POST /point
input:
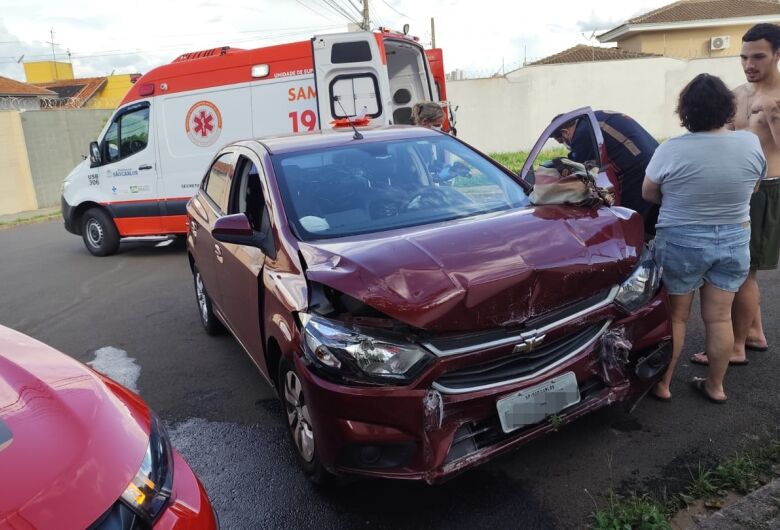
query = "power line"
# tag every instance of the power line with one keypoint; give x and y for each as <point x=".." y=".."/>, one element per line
<point x="339" y="10"/>
<point x="314" y="11"/>
<point x="394" y="9"/>
<point x="189" y="46"/>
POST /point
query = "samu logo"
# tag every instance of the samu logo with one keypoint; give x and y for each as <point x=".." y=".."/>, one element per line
<point x="203" y="123"/>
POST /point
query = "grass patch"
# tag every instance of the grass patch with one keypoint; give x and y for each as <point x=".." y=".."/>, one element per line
<point x="515" y="161"/>
<point x="34" y="219"/>
<point x="743" y="472"/>
<point x="636" y="512"/>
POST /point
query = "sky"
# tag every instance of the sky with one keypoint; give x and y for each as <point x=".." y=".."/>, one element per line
<point x="480" y="37"/>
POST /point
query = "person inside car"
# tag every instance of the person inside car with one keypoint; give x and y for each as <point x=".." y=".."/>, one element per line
<point x="629" y="148"/>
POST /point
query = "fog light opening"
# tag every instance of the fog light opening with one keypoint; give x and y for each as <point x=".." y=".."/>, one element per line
<point x="370" y="455"/>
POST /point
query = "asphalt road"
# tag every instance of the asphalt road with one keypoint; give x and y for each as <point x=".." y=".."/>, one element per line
<point x="228" y="425"/>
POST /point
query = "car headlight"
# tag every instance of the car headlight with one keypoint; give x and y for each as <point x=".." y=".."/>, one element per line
<point x="642" y="285"/>
<point x="354" y="356"/>
<point x="150" y="489"/>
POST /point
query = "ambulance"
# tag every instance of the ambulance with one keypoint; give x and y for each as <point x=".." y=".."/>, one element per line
<point x="151" y="155"/>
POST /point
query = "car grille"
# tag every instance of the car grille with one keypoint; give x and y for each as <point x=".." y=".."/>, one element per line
<point x="518" y="366"/>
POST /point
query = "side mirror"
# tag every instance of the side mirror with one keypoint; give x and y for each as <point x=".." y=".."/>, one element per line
<point x="236" y="229"/>
<point x="94" y="155"/>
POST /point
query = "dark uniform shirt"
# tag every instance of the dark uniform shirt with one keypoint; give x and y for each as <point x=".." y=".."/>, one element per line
<point x="630" y="148"/>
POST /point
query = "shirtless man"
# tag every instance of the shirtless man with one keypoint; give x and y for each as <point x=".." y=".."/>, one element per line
<point x="758" y="110"/>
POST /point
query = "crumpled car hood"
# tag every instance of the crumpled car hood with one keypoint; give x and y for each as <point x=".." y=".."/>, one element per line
<point x="482" y="273"/>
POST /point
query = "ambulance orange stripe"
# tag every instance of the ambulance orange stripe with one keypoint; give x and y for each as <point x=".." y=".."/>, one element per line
<point x="151" y="226"/>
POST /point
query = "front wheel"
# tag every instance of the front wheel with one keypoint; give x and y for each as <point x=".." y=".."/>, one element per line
<point x="299" y="424"/>
<point x="99" y="232"/>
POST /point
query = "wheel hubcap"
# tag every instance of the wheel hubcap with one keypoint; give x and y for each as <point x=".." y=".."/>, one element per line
<point x="94" y="233"/>
<point x="201" y="294"/>
<point x="298" y="416"/>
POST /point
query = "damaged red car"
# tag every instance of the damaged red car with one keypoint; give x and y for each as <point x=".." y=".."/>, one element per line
<point x="416" y="314"/>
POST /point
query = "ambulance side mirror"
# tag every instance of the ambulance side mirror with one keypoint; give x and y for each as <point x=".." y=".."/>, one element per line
<point x="94" y="155"/>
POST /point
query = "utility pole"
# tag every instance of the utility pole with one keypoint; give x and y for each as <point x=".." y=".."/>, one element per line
<point x="433" y="34"/>
<point x="53" y="57"/>
<point x="366" y="20"/>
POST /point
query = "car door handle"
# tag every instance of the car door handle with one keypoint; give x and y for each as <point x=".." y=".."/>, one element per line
<point x="145" y="166"/>
<point x="218" y="252"/>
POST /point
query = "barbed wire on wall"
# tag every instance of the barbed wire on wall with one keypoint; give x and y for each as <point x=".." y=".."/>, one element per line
<point x="34" y="103"/>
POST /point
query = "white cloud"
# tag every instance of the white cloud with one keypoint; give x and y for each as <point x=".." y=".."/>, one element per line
<point x="476" y="36"/>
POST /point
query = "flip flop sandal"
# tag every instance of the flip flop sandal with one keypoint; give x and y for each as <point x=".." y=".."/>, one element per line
<point x="696" y="359"/>
<point x="753" y="347"/>
<point x="698" y="384"/>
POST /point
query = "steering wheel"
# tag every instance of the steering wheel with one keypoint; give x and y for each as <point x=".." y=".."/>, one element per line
<point x="427" y="198"/>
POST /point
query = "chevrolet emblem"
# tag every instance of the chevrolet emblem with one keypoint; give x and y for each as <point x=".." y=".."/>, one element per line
<point x="528" y="344"/>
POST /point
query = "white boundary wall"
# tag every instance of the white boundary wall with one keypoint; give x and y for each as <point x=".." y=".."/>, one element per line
<point x="509" y="113"/>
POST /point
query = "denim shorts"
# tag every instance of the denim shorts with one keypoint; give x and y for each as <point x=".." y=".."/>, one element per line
<point x="694" y="254"/>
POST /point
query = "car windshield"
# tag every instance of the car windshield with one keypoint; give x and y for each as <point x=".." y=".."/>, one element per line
<point x="375" y="186"/>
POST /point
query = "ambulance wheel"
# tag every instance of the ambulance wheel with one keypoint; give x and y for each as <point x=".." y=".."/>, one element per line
<point x="99" y="232"/>
<point x="207" y="317"/>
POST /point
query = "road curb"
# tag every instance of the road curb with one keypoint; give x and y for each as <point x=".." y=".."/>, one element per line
<point x="30" y="216"/>
<point x="760" y="509"/>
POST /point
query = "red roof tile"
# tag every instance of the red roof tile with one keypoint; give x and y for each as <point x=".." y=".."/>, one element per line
<point x="10" y="87"/>
<point x="75" y="92"/>
<point x="584" y="54"/>
<point x="689" y="10"/>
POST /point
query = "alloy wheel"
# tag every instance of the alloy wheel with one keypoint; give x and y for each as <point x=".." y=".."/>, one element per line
<point x="201" y="294"/>
<point x="298" y="416"/>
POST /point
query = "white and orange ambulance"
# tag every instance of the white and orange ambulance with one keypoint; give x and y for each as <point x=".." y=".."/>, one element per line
<point x="150" y="157"/>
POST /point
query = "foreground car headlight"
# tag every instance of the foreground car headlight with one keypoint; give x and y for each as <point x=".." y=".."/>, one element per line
<point x="150" y="489"/>
<point x="642" y="285"/>
<point x="356" y="356"/>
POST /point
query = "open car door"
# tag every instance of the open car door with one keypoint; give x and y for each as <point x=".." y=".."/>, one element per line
<point x="606" y="177"/>
<point x="351" y="76"/>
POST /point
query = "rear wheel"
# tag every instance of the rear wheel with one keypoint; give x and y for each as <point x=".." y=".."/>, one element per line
<point x="99" y="232"/>
<point x="299" y="424"/>
<point x="211" y="324"/>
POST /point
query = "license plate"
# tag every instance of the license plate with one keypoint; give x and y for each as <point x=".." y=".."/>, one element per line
<point x="532" y="405"/>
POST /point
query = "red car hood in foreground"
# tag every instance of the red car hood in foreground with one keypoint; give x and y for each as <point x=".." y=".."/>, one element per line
<point x="482" y="273"/>
<point x="68" y="446"/>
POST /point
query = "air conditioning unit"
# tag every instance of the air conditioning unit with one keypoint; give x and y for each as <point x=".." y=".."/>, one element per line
<point x="720" y="43"/>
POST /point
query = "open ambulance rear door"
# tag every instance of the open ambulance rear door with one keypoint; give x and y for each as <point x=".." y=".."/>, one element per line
<point x="435" y="58"/>
<point x="351" y="76"/>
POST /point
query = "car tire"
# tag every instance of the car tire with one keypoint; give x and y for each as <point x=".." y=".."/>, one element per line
<point x="299" y="427"/>
<point x="99" y="232"/>
<point x="210" y="322"/>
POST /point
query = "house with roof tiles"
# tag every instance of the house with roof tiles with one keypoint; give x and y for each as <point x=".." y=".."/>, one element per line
<point x="15" y="95"/>
<point x="74" y="92"/>
<point x="688" y="29"/>
<point x="693" y="29"/>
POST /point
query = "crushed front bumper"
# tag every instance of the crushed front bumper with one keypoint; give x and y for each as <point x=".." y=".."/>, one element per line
<point x="443" y="425"/>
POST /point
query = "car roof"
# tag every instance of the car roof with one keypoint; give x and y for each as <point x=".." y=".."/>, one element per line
<point x="339" y="137"/>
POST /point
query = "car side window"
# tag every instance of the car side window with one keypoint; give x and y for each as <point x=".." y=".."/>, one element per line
<point x="247" y="196"/>
<point x="217" y="180"/>
<point x="127" y="135"/>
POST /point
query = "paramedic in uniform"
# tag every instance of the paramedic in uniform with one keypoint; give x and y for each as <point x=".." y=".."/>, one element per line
<point x="629" y="148"/>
